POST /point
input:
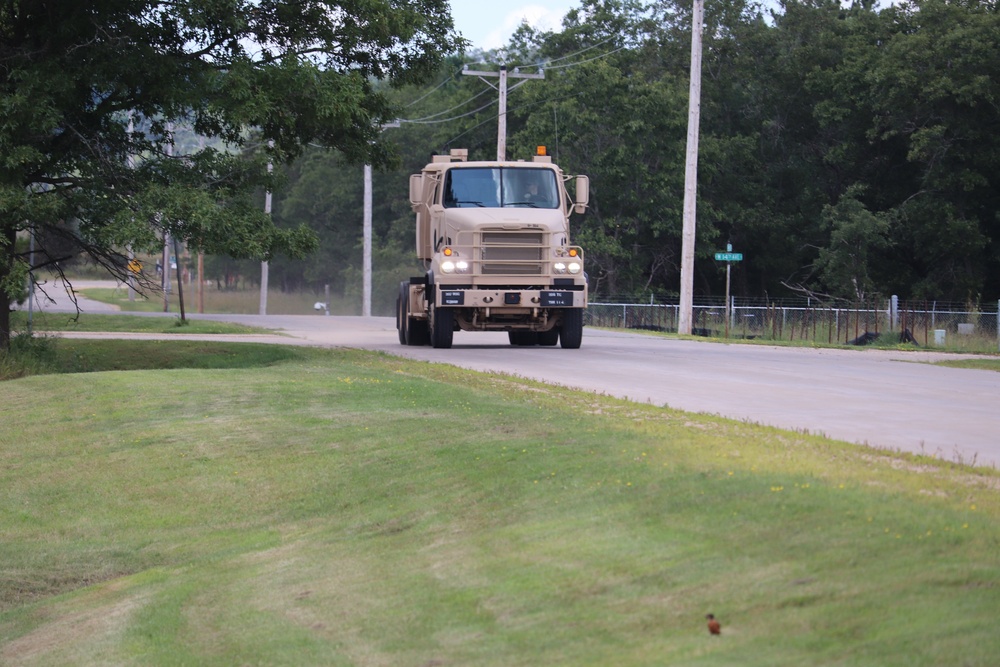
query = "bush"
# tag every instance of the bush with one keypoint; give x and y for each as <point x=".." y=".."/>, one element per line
<point x="27" y="355"/>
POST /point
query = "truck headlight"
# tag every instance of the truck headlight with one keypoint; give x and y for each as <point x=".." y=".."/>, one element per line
<point x="559" y="267"/>
<point x="574" y="267"/>
<point x="462" y="266"/>
<point x="448" y="267"/>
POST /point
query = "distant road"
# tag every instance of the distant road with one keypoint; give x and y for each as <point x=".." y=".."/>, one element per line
<point x="864" y="396"/>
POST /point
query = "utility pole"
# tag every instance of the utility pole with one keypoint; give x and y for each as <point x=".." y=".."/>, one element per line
<point x="502" y="88"/>
<point x="165" y="275"/>
<point x="131" y="254"/>
<point x="31" y="278"/>
<point x="201" y="256"/>
<point x="263" y="265"/>
<point x="165" y="284"/>
<point x="691" y="175"/>
<point x="366" y="280"/>
<point x="201" y="281"/>
<point x="366" y="288"/>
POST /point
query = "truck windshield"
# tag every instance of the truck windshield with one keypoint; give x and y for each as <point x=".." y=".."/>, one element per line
<point x="500" y="187"/>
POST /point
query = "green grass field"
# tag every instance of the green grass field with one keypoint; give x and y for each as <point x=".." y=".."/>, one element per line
<point x="125" y="323"/>
<point x="246" y="301"/>
<point x="35" y="355"/>
<point x="295" y="506"/>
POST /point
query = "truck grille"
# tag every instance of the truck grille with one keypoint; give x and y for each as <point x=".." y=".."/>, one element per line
<point x="512" y="253"/>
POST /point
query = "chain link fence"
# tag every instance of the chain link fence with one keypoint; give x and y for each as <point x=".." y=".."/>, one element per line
<point x="923" y="323"/>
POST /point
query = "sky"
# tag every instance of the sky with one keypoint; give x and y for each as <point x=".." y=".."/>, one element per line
<point x="488" y="25"/>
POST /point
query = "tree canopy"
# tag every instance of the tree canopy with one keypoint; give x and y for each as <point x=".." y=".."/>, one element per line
<point x="259" y="80"/>
<point x="847" y="151"/>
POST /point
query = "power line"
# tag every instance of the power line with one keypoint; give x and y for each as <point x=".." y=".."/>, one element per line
<point x="573" y="55"/>
<point x="517" y="108"/>
<point x="426" y="120"/>
<point x="420" y="121"/>
<point x="459" y="105"/>
<point x="588" y="60"/>
<point x="546" y="66"/>
<point x="433" y="119"/>
<point x="433" y="90"/>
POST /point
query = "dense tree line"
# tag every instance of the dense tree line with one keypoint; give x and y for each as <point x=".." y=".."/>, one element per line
<point x="846" y="151"/>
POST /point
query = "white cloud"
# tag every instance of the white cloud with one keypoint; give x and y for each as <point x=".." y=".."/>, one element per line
<point x="537" y="16"/>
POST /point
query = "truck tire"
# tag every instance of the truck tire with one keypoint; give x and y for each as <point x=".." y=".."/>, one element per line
<point x="443" y="327"/>
<point x="411" y="332"/>
<point x="548" y="338"/>
<point x="571" y="334"/>
<point x="403" y="311"/>
<point x="522" y="338"/>
<point x="417" y="333"/>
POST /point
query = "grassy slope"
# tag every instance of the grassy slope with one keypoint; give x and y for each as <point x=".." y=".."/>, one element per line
<point x="344" y="508"/>
<point x="125" y="323"/>
<point x="215" y="301"/>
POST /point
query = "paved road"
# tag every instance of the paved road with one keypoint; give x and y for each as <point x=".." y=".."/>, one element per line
<point x="54" y="296"/>
<point x="876" y="397"/>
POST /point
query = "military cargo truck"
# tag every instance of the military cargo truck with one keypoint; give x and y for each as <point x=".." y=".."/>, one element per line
<point x="494" y="241"/>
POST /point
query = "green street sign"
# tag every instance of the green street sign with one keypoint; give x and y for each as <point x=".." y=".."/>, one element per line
<point x="728" y="257"/>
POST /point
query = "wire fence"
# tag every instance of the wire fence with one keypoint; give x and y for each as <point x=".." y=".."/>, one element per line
<point x="922" y="323"/>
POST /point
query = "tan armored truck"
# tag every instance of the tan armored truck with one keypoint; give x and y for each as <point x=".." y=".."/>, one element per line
<point x="494" y="241"/>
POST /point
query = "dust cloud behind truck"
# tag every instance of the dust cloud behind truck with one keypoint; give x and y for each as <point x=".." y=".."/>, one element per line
<point x="494" y="241"/>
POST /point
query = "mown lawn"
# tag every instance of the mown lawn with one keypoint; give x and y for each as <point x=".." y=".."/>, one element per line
<point x="347" y="508"/>
<point x="46" y="322"/>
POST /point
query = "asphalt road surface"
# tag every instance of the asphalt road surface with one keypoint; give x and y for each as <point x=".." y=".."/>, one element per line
<point x="882" y="398"/>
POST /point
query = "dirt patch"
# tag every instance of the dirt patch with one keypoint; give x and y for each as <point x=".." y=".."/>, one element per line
<point x="72" y="630"/>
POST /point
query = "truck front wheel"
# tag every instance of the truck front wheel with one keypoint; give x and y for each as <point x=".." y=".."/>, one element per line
<point x="571" y="334"/>
<point x="443" y="327"/>
<point x="411" y="331"/>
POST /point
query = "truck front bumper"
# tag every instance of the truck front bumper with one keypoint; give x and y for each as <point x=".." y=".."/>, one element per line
<point x="509" y="299"/>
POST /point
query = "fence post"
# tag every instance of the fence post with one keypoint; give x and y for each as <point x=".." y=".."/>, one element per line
<point x="893" y="312"/>
<point x="927" y="329"/>
<point x="998" y="325"/>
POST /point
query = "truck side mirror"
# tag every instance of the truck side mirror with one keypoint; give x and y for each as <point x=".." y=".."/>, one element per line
<point x="416" y="190"/>
<point x="582" y="194"/>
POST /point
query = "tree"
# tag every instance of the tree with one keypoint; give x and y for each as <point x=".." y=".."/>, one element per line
<point x="261" y="79"/>
<point x="935" y="94"/>
<point x="855" y="234"/>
